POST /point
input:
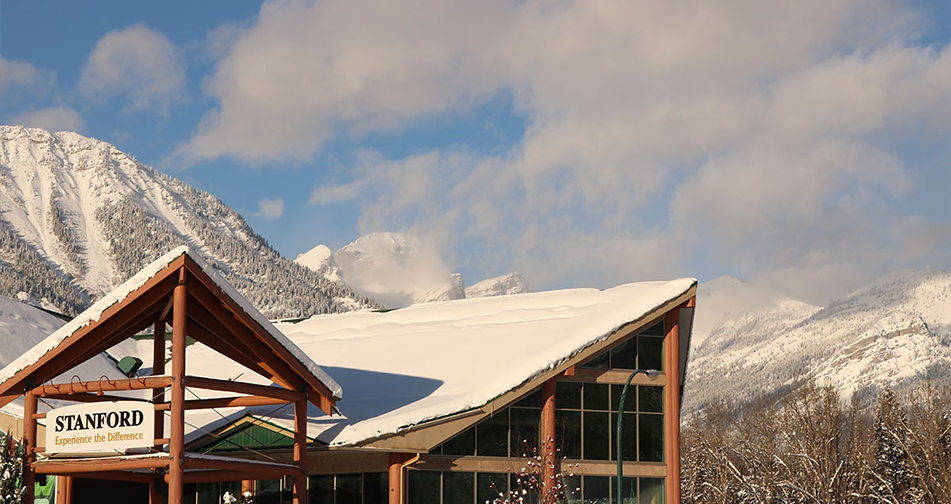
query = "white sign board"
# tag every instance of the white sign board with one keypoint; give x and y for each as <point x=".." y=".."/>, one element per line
<point x="103" y="428"/>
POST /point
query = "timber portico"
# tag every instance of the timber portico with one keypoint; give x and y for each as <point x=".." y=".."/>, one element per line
<point x="443" y="401"/>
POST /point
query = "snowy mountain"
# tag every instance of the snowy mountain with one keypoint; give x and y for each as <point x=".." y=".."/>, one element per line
<point x="749" y="341"/>
<point x="513" y="283"/>
<point x="397" y="270"/>
<point x="79" y="216"/>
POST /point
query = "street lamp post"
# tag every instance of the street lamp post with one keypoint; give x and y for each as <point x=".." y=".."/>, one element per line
<point x="652" y="373"/>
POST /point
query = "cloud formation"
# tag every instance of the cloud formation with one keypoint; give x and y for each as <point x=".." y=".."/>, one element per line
<point x="271" y="208"/>
<point x="138" y="63"/>
<point x="62" y="118"/>
<point x="765" y="135"/>
<point x="23" y="74"/>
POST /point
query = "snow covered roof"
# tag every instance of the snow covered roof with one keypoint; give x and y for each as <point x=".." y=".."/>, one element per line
<point x="25" y="365"/>
<point x="424" y="362"/>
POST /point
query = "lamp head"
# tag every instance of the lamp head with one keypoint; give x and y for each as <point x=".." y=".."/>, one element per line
<point x="653" y="373"/>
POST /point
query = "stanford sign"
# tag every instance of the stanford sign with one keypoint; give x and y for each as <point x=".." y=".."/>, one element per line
<point x="106" y="428"/>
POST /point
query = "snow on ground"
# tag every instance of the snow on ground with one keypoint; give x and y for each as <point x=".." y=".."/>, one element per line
<point x="426" y="361"/>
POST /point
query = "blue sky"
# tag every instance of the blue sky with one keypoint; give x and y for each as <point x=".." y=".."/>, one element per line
<point x="802" y="145"/>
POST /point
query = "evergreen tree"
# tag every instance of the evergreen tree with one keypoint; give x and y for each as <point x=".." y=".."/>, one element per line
<point x="11" y="470"/>
<point x="891" y="434"/>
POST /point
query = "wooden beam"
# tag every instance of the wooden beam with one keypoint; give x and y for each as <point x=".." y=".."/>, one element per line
<point x="550" y="459"/>
<point x="300" y="450"/>
<point x="231" y="464"/>
<point x="672" y="404"/>
<point x="242" y="388"/>
<point x="176" y="445"/>
<point x="73" y="466"/>
<point x="96" y="386"/>
<point x="88" y="397"/>
<point x="158" y="368"/>
<point x="301" y="371"/>
<point x="225" y="402"/>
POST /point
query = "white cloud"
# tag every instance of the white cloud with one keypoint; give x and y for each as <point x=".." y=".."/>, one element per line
<point x="271" y="208"/>
<point x="763" y="134"/>
<point x="23" y="74"/>
<point x="60" y="118"/>
<point x="138" y="63"/>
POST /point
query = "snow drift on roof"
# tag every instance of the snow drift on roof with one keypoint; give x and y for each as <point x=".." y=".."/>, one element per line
<point x="427" y="361"/>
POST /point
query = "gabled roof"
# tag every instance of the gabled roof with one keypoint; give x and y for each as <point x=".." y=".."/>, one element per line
<point x="407" y="367"/>
<point x="218" y="316"/>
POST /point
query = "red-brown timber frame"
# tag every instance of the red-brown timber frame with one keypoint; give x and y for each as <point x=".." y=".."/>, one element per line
<point x="672" y="395"/>
<point x="183" y="294"/>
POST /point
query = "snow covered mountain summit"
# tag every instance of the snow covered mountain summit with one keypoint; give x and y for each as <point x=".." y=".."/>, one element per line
<point x="752" y="342"/>
<point x="78" y="217"/>
<point x="397" y="270"/>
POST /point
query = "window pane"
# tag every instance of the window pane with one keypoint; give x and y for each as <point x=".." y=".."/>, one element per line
<point x="267" y="492"/>
<point x="597" y="436"/>
<point x="349" y="487"/>
<point x="628" y="489"/>
<point x="458" y="487"/>
<point x="320" y="489"/>
<point x="651" y="351"/>
<point x="208" y="493"/>
<point x="597" y="490"/>
<point x="652" y="491"/>
<point x="568" y="395"/>
<point x="625" y="355"/>
<point x="493" y="434"/>
<point x="572" y="489"/>
<point x="630" y="402"/>
<point x="595" y="396"/>
<point x="628" y="436"/>
<point x="490" y="485"/>
<point x="463" y="444"/>
<point x="601" y="361"/>
<point x="568" y="433"/>
<point x="533" y="400"/>
<point x="423" y="487"/>
<point x="651" y="399"/>
<point x="651" y="438"/>
<point x="525" y="422"/>
<point x="376" y="487"/>
<point x="655" y="330"/>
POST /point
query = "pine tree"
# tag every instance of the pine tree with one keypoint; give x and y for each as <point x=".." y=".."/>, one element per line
<point x="891" y="429"/>
<point x="11" y="470"/>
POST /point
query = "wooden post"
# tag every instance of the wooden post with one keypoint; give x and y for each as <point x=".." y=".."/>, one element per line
<point x="396" y="476"/>
<point x="176" y="445"/>
<point x="300" y="449"/>
<point x="158" y="368"/>
<point x="155" y="486"/>
<point x="672" y="404"/>
<point x="549" y="459"/>
<point x="247" y="486"/>
<point x="29" y="434"/>
<point x="64" y="490"/>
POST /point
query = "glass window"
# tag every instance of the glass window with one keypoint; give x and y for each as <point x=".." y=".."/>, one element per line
<point x="595" y="396"/>
<point x="490" y="486"/>
<point x="628" y="489"/>
<point x="655" y="330"/>
<point x="650" y="351"/>
<point x="320" y="489"/>
<point x="597" y="489"/>
<point x="568" y="432"/>
<point x="652" y="491"/>
<point x="423" y="487"/>
<point x="630" y="401"/>
<point x="524" y="435"/>
<point x="458" y="487"/>
<point x="600" y="361"/>
<point x="568" y="395"/>
<point x="651" y="437"/>
<point x="492" y="435"/>
<point x="463" y="444"/>
<point x="267" y="492"/>
<point x="533" y="400"/>
<point x="572" y="489"/>
<point x="376" y="487"/>
<point x="625" y="355"/>
<point x="628" y="437"/>
<point x="597" y="435"/>
<point x="349" y="487"/>
<point x="650" y="399"/>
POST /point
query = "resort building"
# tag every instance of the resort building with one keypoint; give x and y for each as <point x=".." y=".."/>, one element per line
<point x="462" y="401"/>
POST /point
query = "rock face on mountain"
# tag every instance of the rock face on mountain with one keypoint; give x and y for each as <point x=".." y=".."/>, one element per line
<point x="79" y="216"/>
<point x="894" y="332"/>
<point x="513" y="283"/>
<point x="397" y="270"/>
